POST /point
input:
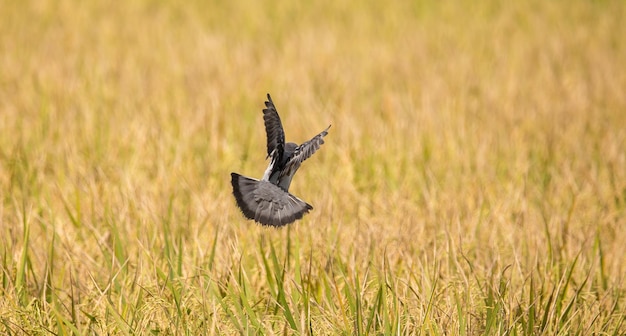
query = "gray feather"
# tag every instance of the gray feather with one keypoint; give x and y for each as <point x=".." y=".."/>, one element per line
<point x="266" y="203"/>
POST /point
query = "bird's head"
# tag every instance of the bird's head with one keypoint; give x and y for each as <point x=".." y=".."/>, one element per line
<point x="290" y="147"/>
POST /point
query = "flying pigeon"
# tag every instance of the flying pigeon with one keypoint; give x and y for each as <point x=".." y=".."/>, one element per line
<point x="268" y="201"/>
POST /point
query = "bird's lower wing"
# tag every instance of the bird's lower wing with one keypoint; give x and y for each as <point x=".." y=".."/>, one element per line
<point x="303" y="152"/>
<point x="267" y="203"/>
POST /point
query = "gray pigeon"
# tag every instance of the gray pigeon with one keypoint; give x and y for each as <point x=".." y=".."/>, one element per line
<point x="268" y="201"/>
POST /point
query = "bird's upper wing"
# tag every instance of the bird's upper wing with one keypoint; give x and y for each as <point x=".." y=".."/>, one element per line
<point x="274" y="130"/>
<point x="304" y="151"/>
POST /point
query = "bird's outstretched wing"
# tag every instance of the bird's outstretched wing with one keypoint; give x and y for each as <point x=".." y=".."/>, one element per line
<point x="304" y="151"/>
<point x="274" y="130"/>
<point x="266" y="203"/>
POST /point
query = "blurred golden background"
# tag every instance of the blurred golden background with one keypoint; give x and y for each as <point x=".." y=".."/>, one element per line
<point x="473" y="182"/>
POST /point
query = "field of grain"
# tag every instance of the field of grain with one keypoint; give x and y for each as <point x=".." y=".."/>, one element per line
<point x="473" y="181"/>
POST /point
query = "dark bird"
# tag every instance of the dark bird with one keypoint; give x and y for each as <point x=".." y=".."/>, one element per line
<point x="268" y="201"/>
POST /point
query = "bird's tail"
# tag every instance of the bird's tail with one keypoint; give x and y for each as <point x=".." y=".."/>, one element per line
<point x="267" y="203"/>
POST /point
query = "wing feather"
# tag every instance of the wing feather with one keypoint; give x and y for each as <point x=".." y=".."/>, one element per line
<point x="304" y="151"/>
<point x="274" y="130"/>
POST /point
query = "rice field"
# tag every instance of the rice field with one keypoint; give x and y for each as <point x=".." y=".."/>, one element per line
<point x="473" y="181"/>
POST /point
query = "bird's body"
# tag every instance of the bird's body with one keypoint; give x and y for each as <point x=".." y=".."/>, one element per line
<point x="268" y="200"/>
<point x="275" y="171"/>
